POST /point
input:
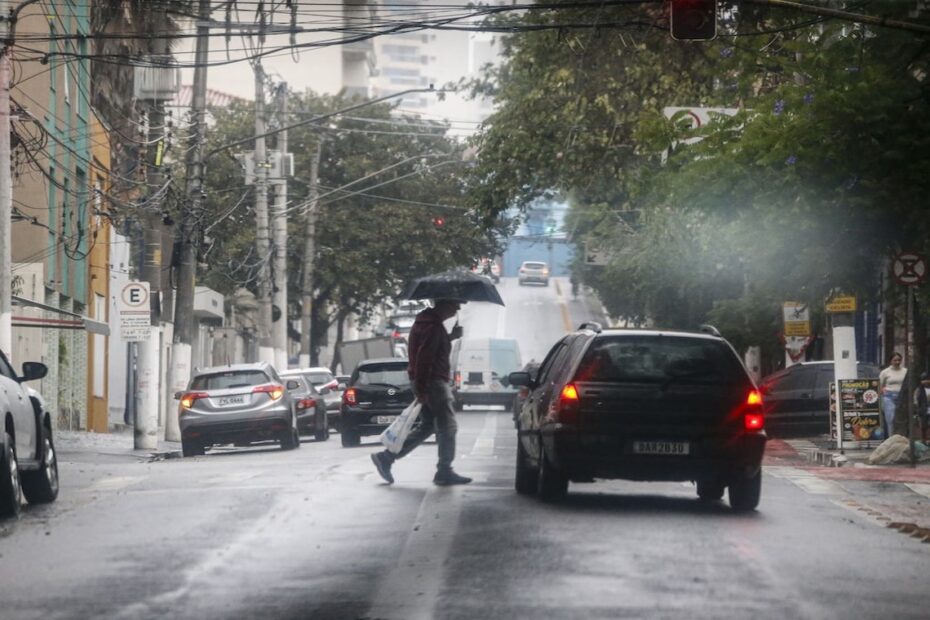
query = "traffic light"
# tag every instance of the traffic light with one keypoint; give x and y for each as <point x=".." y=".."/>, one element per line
<point x="439" y="221"/>
<point x="694" y="20"/>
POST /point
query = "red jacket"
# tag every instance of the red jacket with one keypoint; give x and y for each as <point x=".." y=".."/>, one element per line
<point x="428" y="349"/>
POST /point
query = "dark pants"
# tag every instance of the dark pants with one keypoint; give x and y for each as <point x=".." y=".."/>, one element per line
<point x="437" y="415"/>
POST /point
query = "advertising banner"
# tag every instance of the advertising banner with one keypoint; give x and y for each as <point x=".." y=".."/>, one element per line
<point x="862" y="421"/>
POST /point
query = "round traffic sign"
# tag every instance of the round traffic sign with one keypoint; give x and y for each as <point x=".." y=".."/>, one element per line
<point x="135" y="295"/>
<point x="909" y="268"/>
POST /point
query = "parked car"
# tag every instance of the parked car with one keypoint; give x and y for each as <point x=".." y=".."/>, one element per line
<point x="240" y="404"/>
<point x="480" y="368"/>
<point x="311" y="408"/>
<point x="328" y="387"/>
<point x="28" y="461"/>
<point x="533" y="271"/>
<point x="797" y="399"/>
<point x="377" y="392"/>
<point x="641" y="405"/>
<point x="399" y="326"/>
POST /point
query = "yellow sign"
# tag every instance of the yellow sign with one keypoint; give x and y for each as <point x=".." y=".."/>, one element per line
<point x="796" y="319"/>
<point x="842" y="304"/>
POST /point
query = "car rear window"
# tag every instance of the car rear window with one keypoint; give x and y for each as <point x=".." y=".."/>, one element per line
<point x="229" y="379"/>
<point x="660" y="359"/>
<point x="534" y="265"/>
<point x="318" y="378"/>
<point x="384" y="374"/>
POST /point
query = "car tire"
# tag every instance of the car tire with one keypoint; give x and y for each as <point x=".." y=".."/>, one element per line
<point x="525" y="478"/>
<point x="709" y="490"/>
<point x="350" y="438"/>
<point x="551" y="483"/>
<point x="321" y="434"/>
<point x="11" y="493"/>
<point x="745" y="494"/>
<point x="41" y="486"/>
<point x="192" y="448"/>
<point x="290" y="440"/>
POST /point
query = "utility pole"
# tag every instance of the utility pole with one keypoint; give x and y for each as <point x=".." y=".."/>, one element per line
<point x="145" y="429"/>
<point x="262" y="237"/>
<point x="6" y="185"/>
<point x="279" y="227"/>
<point x="306" y="285"/>
<point x="190" y="213"/>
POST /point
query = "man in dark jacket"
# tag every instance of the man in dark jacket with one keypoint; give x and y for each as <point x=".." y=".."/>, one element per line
<point x="428" y="349"/>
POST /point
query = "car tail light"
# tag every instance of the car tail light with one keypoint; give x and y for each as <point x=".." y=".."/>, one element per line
<point x="348" y="397"/>
<point x="753" y="418"/>
<point x="565" y="408"/>
<point x="187" y="401"/>
<point x="306" y="403"/>
<point x="458" y="379"/>
<point x="396" y="334"/>
<point x="273" y="390"/>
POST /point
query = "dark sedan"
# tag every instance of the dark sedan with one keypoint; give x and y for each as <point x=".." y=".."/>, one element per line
<point x="641" y="405"/>
<point x="378" y="391"/>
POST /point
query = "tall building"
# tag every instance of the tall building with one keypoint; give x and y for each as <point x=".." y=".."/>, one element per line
<point x="60" y="226"/>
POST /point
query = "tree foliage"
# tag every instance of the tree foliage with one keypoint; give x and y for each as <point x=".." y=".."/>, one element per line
<point x="808" y="189"/>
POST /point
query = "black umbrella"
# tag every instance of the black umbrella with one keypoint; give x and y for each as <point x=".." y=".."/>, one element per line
<point x="456" y="284"/>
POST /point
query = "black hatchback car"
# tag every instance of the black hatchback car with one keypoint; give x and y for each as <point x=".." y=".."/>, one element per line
<point x="378" y="390"/>
<point x="641" y="405"/>
<point x="797" y="398"/>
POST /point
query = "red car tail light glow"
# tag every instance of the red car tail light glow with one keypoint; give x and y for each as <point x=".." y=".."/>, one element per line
<point x="188" y="400"/>
<point x="306" y="403"/>
<point x="273" y="390"/>
<point x="348" y="397"/>
<point x="753" y="421"/>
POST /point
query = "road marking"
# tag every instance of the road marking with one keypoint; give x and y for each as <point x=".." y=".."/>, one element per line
<point x="923" y="489"/>
<point x="484" y="444"/>
<point x="410" y="591"/>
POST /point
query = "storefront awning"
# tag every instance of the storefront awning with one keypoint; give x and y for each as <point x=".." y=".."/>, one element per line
<point x="68" y="320"/>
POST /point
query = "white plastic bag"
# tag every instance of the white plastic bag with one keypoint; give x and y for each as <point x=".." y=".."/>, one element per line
<point x="396" y="434"/>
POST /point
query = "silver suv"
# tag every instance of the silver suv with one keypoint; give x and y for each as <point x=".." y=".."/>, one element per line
<point x="533" y="271"/>
<point x="239" y="404"/>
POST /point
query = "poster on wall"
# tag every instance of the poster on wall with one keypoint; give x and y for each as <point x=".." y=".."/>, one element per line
<point x="862" y="420"/>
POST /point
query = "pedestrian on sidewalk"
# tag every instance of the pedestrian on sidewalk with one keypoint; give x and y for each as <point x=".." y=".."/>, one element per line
<point x="890" y="382"/>
<point x="922" y="405"/>
<point x="429" y="346"/>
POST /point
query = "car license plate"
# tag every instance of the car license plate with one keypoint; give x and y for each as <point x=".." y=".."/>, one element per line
<point x="385" y="419"/>
<point x="229" y="401"/>
<point x="670" y="448"/>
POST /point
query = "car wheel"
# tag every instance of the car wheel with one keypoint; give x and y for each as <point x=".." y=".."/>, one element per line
<point x="350" y="438"/>
<point x="745" y="494"/>
<point x="322" y="434"/>
<point x="709" y="491"/>
<point x="41" y="486"/>
<point x="551" y="484"/>
<point x="290" y="440"/>
<point x="191" y="448"/>
<point x="11" y="493"/>
<point x="525" y="479"/>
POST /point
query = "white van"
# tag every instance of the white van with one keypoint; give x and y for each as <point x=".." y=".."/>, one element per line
<point x="480" y="367"/>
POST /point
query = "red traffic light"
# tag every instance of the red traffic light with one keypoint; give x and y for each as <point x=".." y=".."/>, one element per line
<point x="694" y="20"/>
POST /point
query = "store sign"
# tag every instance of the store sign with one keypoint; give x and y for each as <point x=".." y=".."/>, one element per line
<point x="859" y="399"/>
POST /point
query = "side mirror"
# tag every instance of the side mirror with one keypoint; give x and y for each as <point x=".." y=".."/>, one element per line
<point x="178" y="395"/>
<point x="324" y="391"/>
<point x="519" y="378"/>
<point x="33" y="371"/>
<point x="293" y="385"/>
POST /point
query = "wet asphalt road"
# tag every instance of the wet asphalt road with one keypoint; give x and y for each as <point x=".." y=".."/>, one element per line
<point x="314" y="533"/>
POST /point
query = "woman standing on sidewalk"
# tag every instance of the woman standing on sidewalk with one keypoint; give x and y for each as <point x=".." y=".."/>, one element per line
<point x="890" y="381"/>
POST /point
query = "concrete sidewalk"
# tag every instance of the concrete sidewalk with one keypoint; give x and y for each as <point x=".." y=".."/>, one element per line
<point x="82" y="445"/>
